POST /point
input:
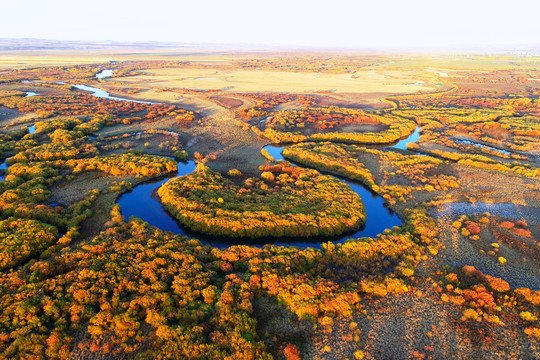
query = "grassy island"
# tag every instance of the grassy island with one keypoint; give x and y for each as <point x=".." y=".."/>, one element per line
<point x="285" y="201"/>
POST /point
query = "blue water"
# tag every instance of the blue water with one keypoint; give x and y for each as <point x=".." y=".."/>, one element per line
<point x="275" y="152"/>
<point x="104" y="94"/>
<point x="3" y="167"/>
<point x="104" y="74"/>
<point x="139" y="202"/>
<point x="414" y="137"/>
<point x="32" y="129"/>
<point x="463" y="141"/>
<point x="378" y="216"/>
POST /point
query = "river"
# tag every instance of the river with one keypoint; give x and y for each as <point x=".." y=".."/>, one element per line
<point x="104" y="74"/>
<point x="3" y="168"/>
<point x="139" y="201"/>
<point x="469" y="142"/>
<point x="104" y="94"/>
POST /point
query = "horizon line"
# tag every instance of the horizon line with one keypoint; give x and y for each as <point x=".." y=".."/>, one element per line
<point x="159" y="44"/>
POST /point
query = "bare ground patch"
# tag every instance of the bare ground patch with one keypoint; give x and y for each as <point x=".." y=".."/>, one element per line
<point x="69" y="192"/>
<point x="12" y="119"/>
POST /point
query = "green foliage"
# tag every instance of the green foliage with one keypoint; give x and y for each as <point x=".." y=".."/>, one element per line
<point x="131" y="290"/>
<point x="234" y="172"/>
<point x="181" y="155"/>
<point x="314" y="124"/>
<point x="21" y="239"/>
<point x="287" y="201"/>
<point x="125" y="164"/>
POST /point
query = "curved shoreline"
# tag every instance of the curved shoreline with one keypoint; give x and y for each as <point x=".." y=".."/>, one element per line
<point x="173" y="225"/>
<point x="378" y="216"/>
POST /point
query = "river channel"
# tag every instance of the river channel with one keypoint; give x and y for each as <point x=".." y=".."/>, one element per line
<point x="140" y="203"/>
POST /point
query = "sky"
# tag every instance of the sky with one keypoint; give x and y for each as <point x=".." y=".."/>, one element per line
<point x="360" y="24"/>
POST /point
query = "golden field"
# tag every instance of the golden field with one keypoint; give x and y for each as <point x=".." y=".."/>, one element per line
<point x="364" y="81"/>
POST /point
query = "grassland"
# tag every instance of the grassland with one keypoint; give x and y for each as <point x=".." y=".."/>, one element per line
<point x="367" y="81"/>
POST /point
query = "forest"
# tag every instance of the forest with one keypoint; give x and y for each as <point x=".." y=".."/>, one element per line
<point x="316" y="124"/>
<point x="283" y="201"/>
<point x="266" y="265"/>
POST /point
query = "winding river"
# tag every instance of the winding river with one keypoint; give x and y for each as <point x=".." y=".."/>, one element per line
<point x="104" y="94"/>
<point x="139" y="201"/>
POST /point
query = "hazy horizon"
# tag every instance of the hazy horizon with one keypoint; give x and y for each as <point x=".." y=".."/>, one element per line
<point x="34" y="44"/>
<point x="392" y="25"/>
